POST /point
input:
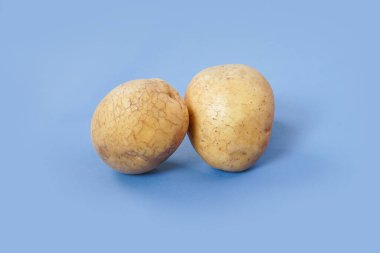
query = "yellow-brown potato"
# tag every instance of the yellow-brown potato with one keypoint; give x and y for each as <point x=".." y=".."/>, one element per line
<point x="138" y="125"/>
<point x="231" y="109"/>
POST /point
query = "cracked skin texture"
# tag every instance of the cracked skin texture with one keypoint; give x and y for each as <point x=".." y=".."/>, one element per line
<point x="231" y="110"/>
<point x="138" y="125"/>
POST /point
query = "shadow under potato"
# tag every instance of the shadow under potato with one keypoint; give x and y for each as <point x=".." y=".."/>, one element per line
<point x="165" y="166"/>
<point x="162" y="168"/>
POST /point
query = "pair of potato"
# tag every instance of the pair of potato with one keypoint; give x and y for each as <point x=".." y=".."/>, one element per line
<point x="228" y="113"/>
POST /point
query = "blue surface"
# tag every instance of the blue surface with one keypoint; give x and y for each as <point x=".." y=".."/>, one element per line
<point x="316" y="189"/>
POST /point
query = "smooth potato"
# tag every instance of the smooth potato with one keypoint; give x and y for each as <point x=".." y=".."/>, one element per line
<point x="231" y="110"/>
<point x="138" y="125"/>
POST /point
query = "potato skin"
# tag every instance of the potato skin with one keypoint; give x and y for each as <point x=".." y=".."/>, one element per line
<point x="231" y="110"/>
<point x="138" y="125"/>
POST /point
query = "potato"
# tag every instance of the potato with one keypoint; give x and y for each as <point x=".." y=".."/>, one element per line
<point x="138" y="125"/>
<point x="231" y="109"/>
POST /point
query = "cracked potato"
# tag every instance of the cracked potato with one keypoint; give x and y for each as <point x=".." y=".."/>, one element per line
<point x="138" y="125"/>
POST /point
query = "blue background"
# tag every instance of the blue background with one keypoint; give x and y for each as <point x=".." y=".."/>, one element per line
<point x="316" y="189"/>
